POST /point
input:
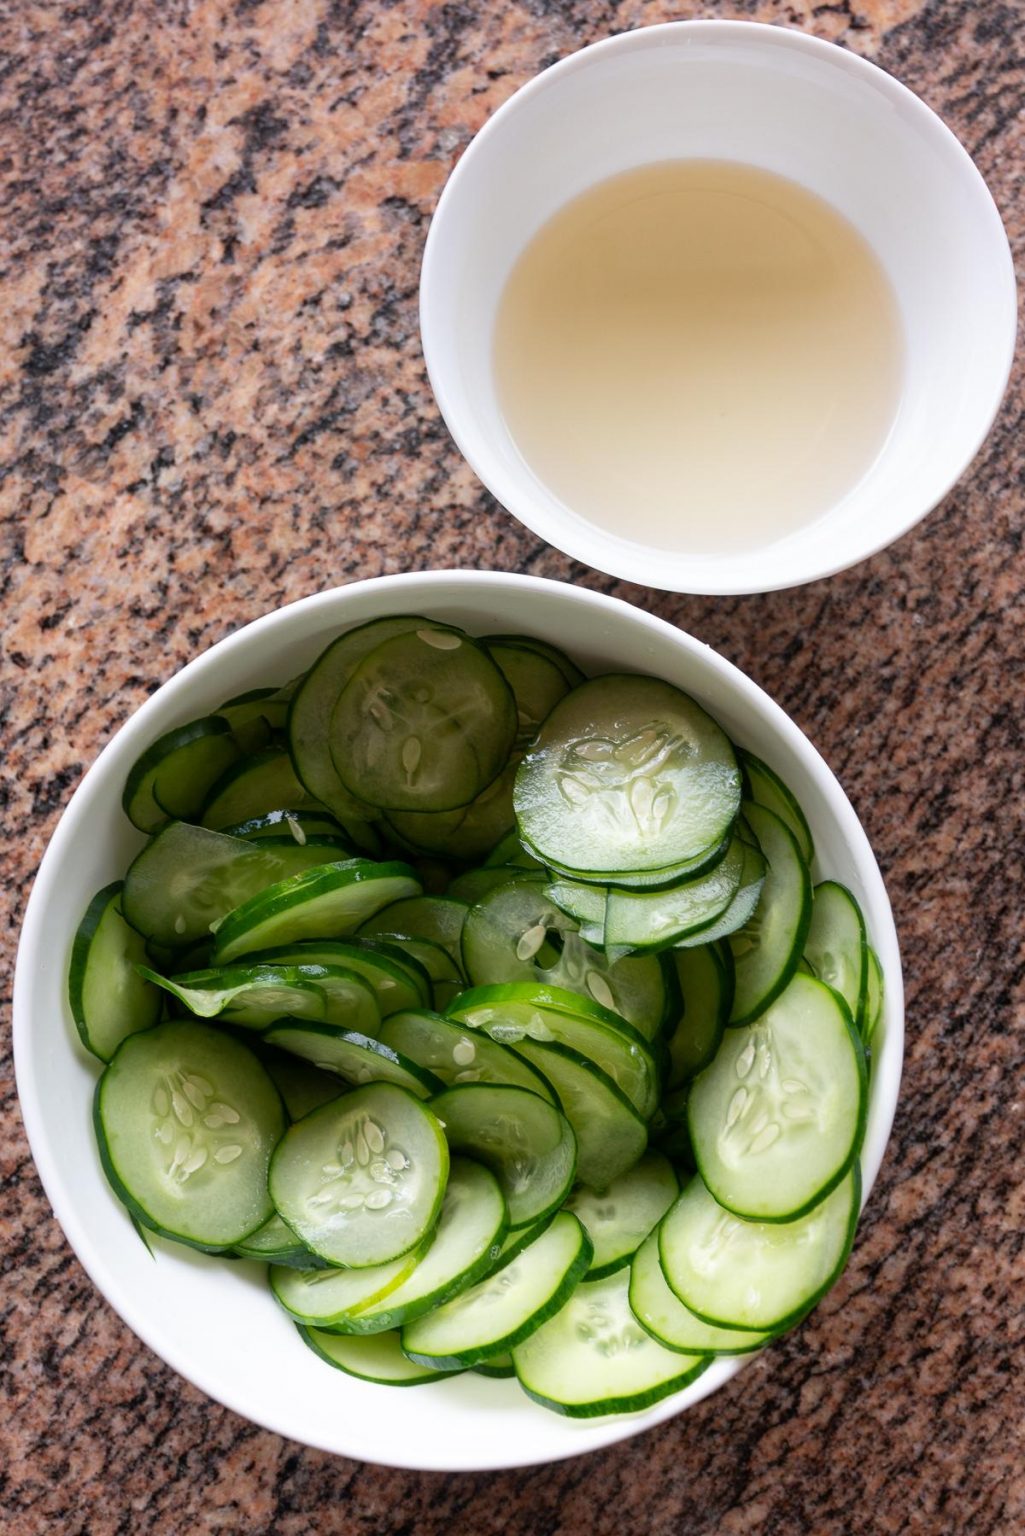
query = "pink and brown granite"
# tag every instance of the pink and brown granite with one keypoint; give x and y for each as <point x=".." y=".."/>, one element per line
<point x="212" y="401"/>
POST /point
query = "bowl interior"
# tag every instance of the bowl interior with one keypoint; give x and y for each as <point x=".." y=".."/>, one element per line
<point x="786" y="103"/>
<point x="216" y="1323"/>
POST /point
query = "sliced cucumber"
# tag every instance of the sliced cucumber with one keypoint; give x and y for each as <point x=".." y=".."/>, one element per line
<point x="777" y="1118"/>
<point x="396" y="982"/>
<point x="301" y="1085"/>
<point x="594" y="1358"/>
<point x="298" y="825"/>
<point x="254" y="786"/>
<point x="661" y="1313"/>
<point x="467" y="1241"/>
<point x="359" y="1058"/>
<point x="510" y="851"/>
<point x="109" y="997"/>
<point x="499" y="1366"/>
<point x="438" y="919"/>
<point x="522" y="1011"/>
<point x="569" y="669"/>
<point x="655" y="919"/>
<point x="373" y="1357"/>
<point x="837" y="946"/>
<point x="874" y="996"/>
<point x="657" y="879"/>
<point x="767" y="950"/>
<point x="276" y="1243"/>
<point x="467" y="832"/>
<point x="186" y="1120"/>
<point x="514" y="1243"/>
<point x="171" y="779"/>
<point x="361" y="1180"/>
<point x="502" y="1311"/>
<point x="765" y="787"/>
<point x="619" y="1217"/>
<point x="328" y="1297"/>
<point x="537" y="682"/>
<point x="333" y="900"/>
<point x="627" y="773"/>
<point x="457" y="1055"/>
<point x="610" y="1134"/>
<point x="247" y="994"/>
<point x="425" y="722"/>
<point x="754" y="1275"/>
<point x="744" y="904"/>
<point x="526" y="1142"/>
<point x="705" y="986"/>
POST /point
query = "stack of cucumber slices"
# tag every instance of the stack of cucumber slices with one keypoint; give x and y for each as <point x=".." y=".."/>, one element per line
<point x="494" y="1009"/>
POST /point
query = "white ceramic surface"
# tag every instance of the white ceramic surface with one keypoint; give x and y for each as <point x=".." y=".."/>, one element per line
<point x="787" y="103"/>
<point x="216" y="1322"/>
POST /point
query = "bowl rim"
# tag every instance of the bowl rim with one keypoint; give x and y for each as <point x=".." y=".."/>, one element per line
<point x="623" y="557"/>
<point x="34" y="953"/>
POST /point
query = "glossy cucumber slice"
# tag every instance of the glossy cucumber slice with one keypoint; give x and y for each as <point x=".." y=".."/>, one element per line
<point x="765" y="787"/>
<point x="324" y="1296"/>
<point x="837" y="946"/>
<point x="172" y="777"/>
<point x="301" y="1085"/>
<point x="755" y="1275"/>
<point x="661" y="1313"/>
<point x="745" y="902"/>
<point x="467" y="832"/>
<point x="438" y="919"/>
<point x="469" y="1235"/>
<point x="569" y="669"/>
<point x="357" y="1057"/>
<point x="510" y="851"/>
<point x="373" y="1357"/>
<point x="706" y="990"/>
<point x="627" y="773"/>
<point x="457" y="1055"/>
<point x="656" y="919"/>
<point x="777" y="1118"/>
<point x="767" y="950"/>
<point x="247" y="994"/>
<point x="396" y="982"/>
<point x="594" y="1358"/>
<point x="254" y="786"/>
<point x="522" y="1011"/>
<point x="109" y="996"/>
<point x="361" y="1180"/>
<point x="537" y="682"/>
<point x="618" y="1217"/>
<point x="499" y="1366"/>
<point x="654" y="879"/>
<point x="333" y="900"/>
<point x="186" y="1120"/>
<point x="526" y="1142"/>
<point x="276" y="1243"/>
<point x="501" y="1311"/>
<point x="610" y="1134"/>
<point x="298" y="825"/>
<point x="425" y="723"/>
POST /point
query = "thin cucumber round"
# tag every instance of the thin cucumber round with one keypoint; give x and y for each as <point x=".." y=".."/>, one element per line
<point x="837" y="946"/>
<point x="526" y="1142"/>
<point x="594" y="1358"/>
<point x="755" y="1275"/>
<point x="333" y="900"/>
<point x="186" y="1120"/>
<point x="438" y="919"/>
<point x="767" y="950"/>
<point x="656" y="919"/>
<point x="765" y="787"/>
<point x="619" y="1217"/>
<point x="457" y="1055"/>
<point x="361" y="1180"/>
<point x="661" y="1313"/>
<point x="324" y="1296"/>
<point x="654" y="879"/>
<point x="473" y="884"/>
<point x="109" y="995"/>
<point x="537" y="682"/>
<point x="253" y="995"/>
<point x="301" y="1085"/>
<point x="254" y="786"/>
<point x="171" y="779"/>
<point x="359" y="1058"/>
<point x="610" y="1134"/>
<point x="627" y="773"/>
<point x="499" y="1366"/>
<point x="503" y="1310"/>
<point x="706" y="993"/>
<point x="569" y="669"/>
<point x="276" y="1243"/>
<point x="373" y="1357"/>
<point x="468" y="832"/>
<point x="745" y="902"/>
<point x="874" y="996"/>
<point x="396" y="982"/>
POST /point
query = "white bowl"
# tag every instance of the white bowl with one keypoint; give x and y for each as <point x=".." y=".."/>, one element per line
<point x="216" y="1323"/>
<point x="786" y="103"/>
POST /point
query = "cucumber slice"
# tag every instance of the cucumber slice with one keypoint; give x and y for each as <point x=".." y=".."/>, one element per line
<point x="425" y="723"/>
<point x="457" y="1055"/>
<point x="359" y="1058"/>
<point x="254" y="786"/>
<point x="767" y="950"/>
<point x="593" y="1357"/>
<point x="837" y="946"/>
<point x="186" y="1120"/>
<point x="707" y="994"/>
<point x="654" y="879"/>
<point x="754" y="1275"/>
<point x="509" y="850"/>
<point x="333" y="900"/>
<point x="502" y="1311"/>
<point x="744" y="904"/>
<point x="669" y="1130"/>
<point x="655" y="919"/>
<point x="499" y="1366"/>
<point x="661" y="1313"/>
<point x="469" y="1235"/>
<point x="298" y="825"/>
<point x="444" y="976"/>
<point x="361" y="1180"/>
<point x="374" y="1357"/>
<point x="396" y="982"/>
<point x="301" y="1085"/>
<point x="309" y="716"/>
<point x="187" y="879"/>
<point x="778" y="1117"/>
<point x="171" y="779"/>
<point x="474" y="884"/>
<point x="109" y="997"/>
<point x="610" y="1134"/>
<point x="537" y="682"/>
<point x="569" y="669"/>
<point x="522" y="1010"/>
<point x="255" y="717"/>
<point x="619" y="1217"/>
<point x="765" y="787"/>
<point x="251" y="995"/>
<point x="583" y="903"/>
<point x="874" y="996"/>
<point x="438" y="919"/>
<point x="630" y="767"/>
<point x="514" y="1243"/>
<point x="526" y="1142"/>
<point x="276" y="1243"/>
<point x="467" y="832"/>
<point x="322" y="1296"/>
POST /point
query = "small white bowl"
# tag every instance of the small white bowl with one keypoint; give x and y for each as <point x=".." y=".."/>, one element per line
<point x="216" y="1323"/>
<point x="786" y="103"/>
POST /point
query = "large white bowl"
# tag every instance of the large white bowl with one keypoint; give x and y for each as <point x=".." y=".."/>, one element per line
<point x="216" y="1323"/>
<point x="787" y="103"/>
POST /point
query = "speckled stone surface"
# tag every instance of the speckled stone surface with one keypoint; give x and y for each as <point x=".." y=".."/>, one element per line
<point x="212" y="400"/>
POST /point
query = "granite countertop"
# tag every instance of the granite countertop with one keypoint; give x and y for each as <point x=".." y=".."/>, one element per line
<point x="212" y="401"/>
